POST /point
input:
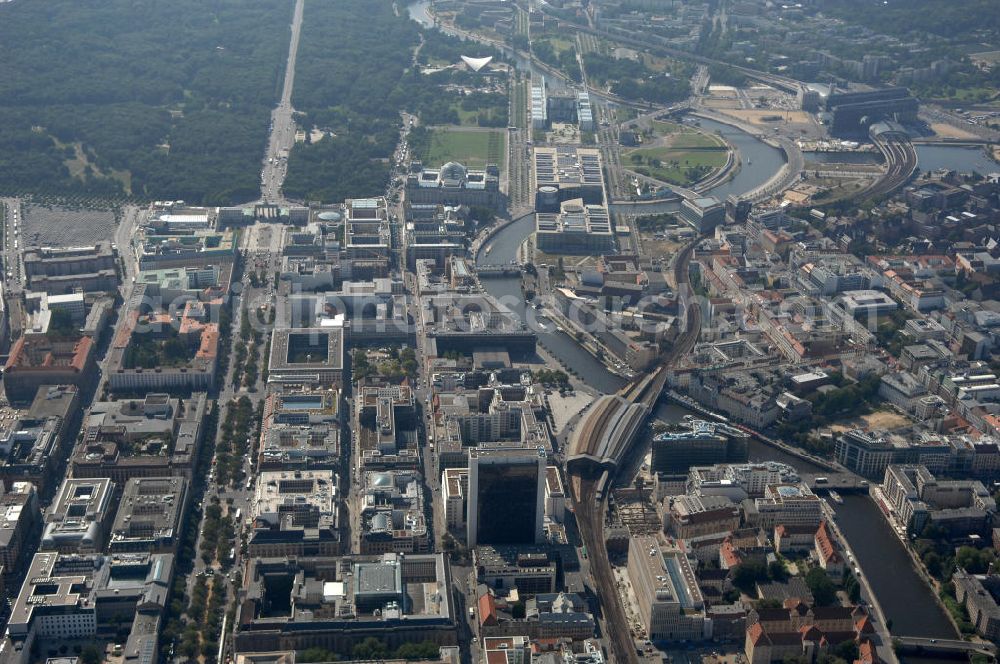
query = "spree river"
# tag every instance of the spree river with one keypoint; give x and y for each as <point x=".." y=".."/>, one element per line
<point x="901" y="592"/>
<point x="760" y="162"/>
<point x="904" y="598"/>
<point x="955" y="158"/>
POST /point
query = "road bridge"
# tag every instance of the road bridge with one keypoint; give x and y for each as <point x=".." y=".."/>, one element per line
<point x="497" y="271"/>
<point x="841" y="482"/>
<point x="915" y="644"/>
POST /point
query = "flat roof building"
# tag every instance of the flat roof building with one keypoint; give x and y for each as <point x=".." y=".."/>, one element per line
<point x="702" y="443"/>
<point x="20" y="523"/>
<point x="454" y="488"/>
<point x="532" y="570"/>
<point x="386" y="423"/>
<point x="576" y="229"/>
<point x="150" y="515"/>
<point x="366" y="228"/>
<point x="56" y="270"/>
<point x="918" y="499"/>
<point x="669" y="600"/>
<point x="296" y="513"/>
<point x="584" y="112"/>
<point x="539" y="107"/>
<point x="867" y="302"/>
<point x="392" y="513"/>
<point x="157" y="436"/>
<point x="83" y="596"/>
<point x="465" y="323"/>
<point x="695" y="516"/>
<point x="53" y="261"/>
<point x="309" y="356"/>
<point x="566" y="173"/>
<point x="301" y="429"/>
<point x="704" y="213"/>
<point x="335" y="603"/>
<point x="162" y="247"/>
<point x="739" y="480"/>
<point x="80" y="517"/>
<point x="785" y="504"/>
<point x="302" y="404"/>
<point x="30" y="450"/>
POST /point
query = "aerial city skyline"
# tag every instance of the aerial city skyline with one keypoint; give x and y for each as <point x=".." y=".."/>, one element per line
<point x="500" y="332"/>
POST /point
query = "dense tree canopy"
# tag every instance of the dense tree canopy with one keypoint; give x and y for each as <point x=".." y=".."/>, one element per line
<point x="919" y="16"/>
<point x="355" y="74"/>
<point x="169" y="99"/>
<point x="634" y="80"/>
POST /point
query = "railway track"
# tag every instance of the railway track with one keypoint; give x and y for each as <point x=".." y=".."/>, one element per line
<point x="590" y="492"/>
<point x="901" y="156"/>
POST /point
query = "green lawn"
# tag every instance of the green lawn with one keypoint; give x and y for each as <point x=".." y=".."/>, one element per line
<point x="677" y="166"/>
<point x="696" y="140"/>
<point x="663" y="128"/>
<point x="473" y="149"/>
<point x="471" y="118"/>
<point x="682" y="136"/>
<point x="559" y="44"/>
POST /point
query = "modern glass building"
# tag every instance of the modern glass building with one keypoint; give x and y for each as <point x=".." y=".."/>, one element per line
<point x="506" y="495"/>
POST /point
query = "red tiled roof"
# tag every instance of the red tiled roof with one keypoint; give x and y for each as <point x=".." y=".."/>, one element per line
<point x="487" y="610"/>
<point x="825" y="545"/>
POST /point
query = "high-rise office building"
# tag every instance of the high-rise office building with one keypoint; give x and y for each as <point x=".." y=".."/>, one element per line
<point x="506" y="495"/>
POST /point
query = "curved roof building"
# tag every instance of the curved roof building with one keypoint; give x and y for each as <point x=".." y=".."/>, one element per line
<point x="475" y="64"/>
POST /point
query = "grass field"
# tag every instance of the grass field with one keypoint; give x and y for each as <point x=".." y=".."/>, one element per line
<point x="473" y="149"/>
<point x="677" y="166"/>
<point x="519" y="103"/>
<point x="695" y="140"/>
<point x="559" y="44"/>
<point x="680" y="136"/>
<point x="471" y="118"/>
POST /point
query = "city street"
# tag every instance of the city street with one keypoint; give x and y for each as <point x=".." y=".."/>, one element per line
<point x="282" y="136"/>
